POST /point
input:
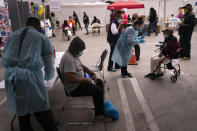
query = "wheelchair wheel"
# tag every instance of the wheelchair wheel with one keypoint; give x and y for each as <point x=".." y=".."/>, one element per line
<point x="173" y="78"/>
<point x="177" y="72"/>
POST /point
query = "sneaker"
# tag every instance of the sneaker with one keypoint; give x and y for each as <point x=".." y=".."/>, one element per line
<point x="159" y="75"/>
<point x="128" y="75"/>
<point x="156" y="34"/>
<point x="112" y="70"/>
<point x="149" y="75"/>
<point x="54" y="35"/>
<point x="102" y="118"/>
<point x="117" y="68"/>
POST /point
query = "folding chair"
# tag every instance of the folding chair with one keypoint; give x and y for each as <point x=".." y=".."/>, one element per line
<point x="68" y="99"/>
<point x="99" y="67"/>
<point x="12" y="123"/>
<point x="96" y="29"/>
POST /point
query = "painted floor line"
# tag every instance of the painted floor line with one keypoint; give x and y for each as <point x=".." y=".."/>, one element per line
<point x="149" y="117"/>
<point x="3" y="101"/>
<point x="128" y="117"/>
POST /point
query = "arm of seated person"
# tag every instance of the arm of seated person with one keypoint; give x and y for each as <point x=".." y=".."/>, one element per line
<point x="89" y="72"/>
<point x="70" y="77"/>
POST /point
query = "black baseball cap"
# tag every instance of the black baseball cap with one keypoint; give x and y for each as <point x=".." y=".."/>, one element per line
<point x="188" y="5"/>
<point x="168" y="29"/>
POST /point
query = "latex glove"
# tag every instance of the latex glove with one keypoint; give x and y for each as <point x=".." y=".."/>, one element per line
<point x="143" y="36"/>
<point x="142" y="41"/>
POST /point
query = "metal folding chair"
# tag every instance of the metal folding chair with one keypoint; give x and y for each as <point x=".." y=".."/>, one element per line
<point x="68" y="99"/>
<point x="99" y="67"/>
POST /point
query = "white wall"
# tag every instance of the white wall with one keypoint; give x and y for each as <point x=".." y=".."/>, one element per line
<point x="98" y="11"/>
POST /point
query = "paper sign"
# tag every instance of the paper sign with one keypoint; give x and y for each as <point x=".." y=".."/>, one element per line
<point x="2" y="3"/>
<point x="55" y="7"/>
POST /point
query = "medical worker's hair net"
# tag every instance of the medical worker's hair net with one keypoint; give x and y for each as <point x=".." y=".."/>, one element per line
<point x="139" y="21"/>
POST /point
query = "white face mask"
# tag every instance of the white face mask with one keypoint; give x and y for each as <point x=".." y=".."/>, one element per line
<point x="119" y="21"/>
<point x="165" y="36"/>
<point x="79" y="54"/>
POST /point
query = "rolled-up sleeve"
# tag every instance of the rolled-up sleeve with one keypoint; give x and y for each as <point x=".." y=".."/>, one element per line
<point x="48" y="59"/>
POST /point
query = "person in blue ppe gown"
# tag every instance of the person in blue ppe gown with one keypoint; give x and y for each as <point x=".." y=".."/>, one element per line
<point x="123" y="50"/>
<point x="28" y="60"/>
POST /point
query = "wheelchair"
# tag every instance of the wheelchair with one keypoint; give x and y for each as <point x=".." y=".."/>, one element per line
<point x="168" y="64"/>
<point x="66" y="33"/>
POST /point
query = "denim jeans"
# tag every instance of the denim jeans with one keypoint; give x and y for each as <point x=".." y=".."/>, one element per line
<point x="152" y="25"/>
<point x="86" y="26"/>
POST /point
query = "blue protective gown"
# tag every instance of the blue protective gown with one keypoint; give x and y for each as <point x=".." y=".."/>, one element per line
<point x="24" y="77"/>
<point x="123" y="50"/>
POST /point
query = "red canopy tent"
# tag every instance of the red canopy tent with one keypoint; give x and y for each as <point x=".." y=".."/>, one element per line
<point x="125" y="4"/>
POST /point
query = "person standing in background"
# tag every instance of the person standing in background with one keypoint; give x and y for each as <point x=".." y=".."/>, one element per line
<point x="129" y="19"/>
<point x="124" y="20"/>
<point x="72" y="24"/>
<point x="76" y="18"/>
<point x="112" y="38"/>
<point x="180" y="15"/>
<point x="52" y="20"/>
<point x="153" y="19"/>
<point x="186" y="28"/>
<point x="112" y="15"/>
<point x="86" y="22"/>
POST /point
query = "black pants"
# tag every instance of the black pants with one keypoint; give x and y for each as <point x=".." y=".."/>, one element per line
<point x="137" y="51"/>
<point x="124" y="70"/>
<point x="45" y="119"/>
<point x="185" y="40"/>
<point x="152" y="25"/>
<point x="110" y="62"/>
<point x="97" y="93"/>
<point x="73" y="30"/>
<point x="77" y="22"/>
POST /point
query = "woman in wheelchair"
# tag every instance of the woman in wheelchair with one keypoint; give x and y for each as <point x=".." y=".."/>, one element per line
<point x="169" y="50"/>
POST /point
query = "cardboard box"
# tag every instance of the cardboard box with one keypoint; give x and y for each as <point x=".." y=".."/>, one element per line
<point x="107" y="27"/>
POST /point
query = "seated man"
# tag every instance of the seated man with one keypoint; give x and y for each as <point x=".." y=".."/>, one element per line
<point x="96" y="23"/>
<point x="169" y="51"/>
<point x="73" y="74"/>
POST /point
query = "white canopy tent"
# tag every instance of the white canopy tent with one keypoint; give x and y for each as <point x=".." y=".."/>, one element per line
<point x="97" y="9"/>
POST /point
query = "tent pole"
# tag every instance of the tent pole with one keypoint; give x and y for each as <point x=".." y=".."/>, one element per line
<point x="18" y="13"/>
<point x="44" y="13"/>
<point x="164" y="12"/>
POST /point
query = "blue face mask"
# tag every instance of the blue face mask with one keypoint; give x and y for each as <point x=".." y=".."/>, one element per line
<point x="165" y="36"/>
<point x="140" y="29"/>
<point x="79" y="54"/>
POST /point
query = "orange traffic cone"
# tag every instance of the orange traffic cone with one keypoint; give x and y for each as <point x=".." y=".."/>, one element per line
<point x="132" y="60"/>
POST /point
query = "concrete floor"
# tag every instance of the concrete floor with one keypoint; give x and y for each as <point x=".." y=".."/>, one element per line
<point x="145" y="105"/>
